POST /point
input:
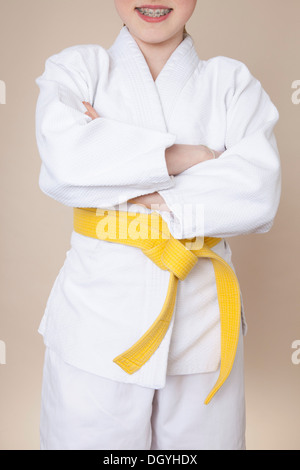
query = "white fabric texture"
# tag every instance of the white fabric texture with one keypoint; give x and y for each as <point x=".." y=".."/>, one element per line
<point x="83" y="411"/>
<point x="106" y="295"/>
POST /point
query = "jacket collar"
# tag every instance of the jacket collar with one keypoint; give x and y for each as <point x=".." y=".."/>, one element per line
<point x="155" y="100"/>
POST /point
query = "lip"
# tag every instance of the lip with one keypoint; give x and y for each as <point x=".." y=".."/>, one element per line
<point x="154" y="7"/>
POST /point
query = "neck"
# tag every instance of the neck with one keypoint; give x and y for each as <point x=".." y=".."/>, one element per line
<point x="157" y="54"/>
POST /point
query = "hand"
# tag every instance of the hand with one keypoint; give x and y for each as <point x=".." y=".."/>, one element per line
<point x="149" y="200"/>
<point x="91" y="112"/>
<point x="180" y="157"/>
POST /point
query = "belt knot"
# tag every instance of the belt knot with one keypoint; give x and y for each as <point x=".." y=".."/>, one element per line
<point x="172" y="255"/>
<point x="178" y="259"/>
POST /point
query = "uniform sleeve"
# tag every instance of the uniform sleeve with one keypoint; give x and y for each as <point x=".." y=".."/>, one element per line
<point x="85" y="162"/>
<point x="238" y="193"/>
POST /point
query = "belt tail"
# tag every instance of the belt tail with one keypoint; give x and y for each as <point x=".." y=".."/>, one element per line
<point x="137" y="355"/>
<point x="230" y="318"/>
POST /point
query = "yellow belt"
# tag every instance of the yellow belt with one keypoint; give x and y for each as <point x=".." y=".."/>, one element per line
<point x="150" y="233"/>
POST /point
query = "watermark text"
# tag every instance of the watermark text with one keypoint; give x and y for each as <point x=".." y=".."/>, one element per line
<point x="296" y="353"/>
<point x="127" y="224"/>
<point x="2" y="352"/>
<point x="2" y="92"/>
<point x="296" y="94"/>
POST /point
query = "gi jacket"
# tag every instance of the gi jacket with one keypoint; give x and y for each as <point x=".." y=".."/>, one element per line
<point x="107" y="295"/>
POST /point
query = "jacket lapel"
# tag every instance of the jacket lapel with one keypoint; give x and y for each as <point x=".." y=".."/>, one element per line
<point x="176" y="74"/>
<point x="152" y="101"/>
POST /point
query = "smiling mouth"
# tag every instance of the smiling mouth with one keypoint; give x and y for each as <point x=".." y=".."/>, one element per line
<point x="154" y="12"/>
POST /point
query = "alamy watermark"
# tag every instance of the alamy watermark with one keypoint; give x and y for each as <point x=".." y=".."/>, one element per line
<point x="2" y="352"/>
<point x="296" y="353"/>
<point x="296" y="94"/>
<point x="2" y="92"/>
<point x="125" y="223"/>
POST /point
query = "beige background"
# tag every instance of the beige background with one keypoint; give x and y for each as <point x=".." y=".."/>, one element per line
<point x="35" y="229"/>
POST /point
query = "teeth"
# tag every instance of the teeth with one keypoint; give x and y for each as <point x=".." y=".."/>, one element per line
<point x="154" y="13"/>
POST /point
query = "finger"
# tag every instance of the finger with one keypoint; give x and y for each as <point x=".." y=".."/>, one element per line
<point x="88" y="107"/>
<point x="91" y="110"/>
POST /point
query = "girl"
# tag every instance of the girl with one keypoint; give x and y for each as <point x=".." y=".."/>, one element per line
<point x="147" y="126"/>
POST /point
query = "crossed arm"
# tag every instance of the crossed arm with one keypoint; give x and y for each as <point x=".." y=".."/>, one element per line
<point x="179" y="157"/>
<point x="238" y="195"/>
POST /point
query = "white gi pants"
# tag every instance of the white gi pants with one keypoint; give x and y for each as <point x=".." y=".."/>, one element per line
<point x="83" y="411"/>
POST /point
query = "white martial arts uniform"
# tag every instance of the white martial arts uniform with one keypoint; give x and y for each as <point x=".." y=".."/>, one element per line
<point x="106" y="295"/>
